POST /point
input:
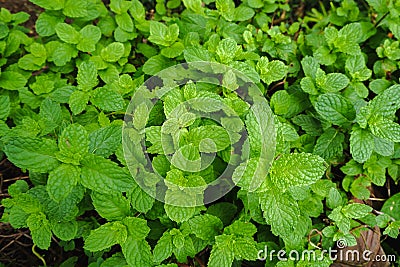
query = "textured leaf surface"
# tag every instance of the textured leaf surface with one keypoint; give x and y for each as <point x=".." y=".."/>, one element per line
<point x="335" y="108"/>
<point x="62" y="180"/>
<point x="104" y="176"/>
<point x="297" y="170"/>
<point x="32" y="153"/>
<point x="106" y="236"/>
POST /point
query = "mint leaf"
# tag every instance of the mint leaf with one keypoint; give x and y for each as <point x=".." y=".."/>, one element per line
<point x="222" y="252"/>
<point x="329" y="144"/>
<point x="163" y="35"/>
<point x="73" y="144"/>
<point x="61" y="181"/>
<point x="78" y="101"/>
<point x="34" y="154"/>
<point x="361" y="144"/>
<point x="271" y="71"/>
<point x="67" y="33"/>
<point x="356" y="211"/>
<point x="385" y="128"/>
<point x="40" y="230"/>
<point x="104" y="176"/>
<point x="66" y="231"/>
<point x="106" y="236"/>
<point x="280" y="211"/>
<point x="87" y="76"/>
<point x="90" y="35"/>
<point x="105" y="141"/>
<point x="137" y="252"/>
<point x="205" y="226"/>
<point x="297" y="170"/>
<point x="107" y="100"/>
<point x="163" y="248"/>
<point x="12" y="80"/>
<point x="112" y="206"/>
<point x="4" y="106"/>
<point x="335" y="108"/>
<point x="113" y="52"/>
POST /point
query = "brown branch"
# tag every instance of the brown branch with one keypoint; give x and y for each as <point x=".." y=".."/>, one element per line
<point x="16" y="178"/>
<point x="199" y="261"/>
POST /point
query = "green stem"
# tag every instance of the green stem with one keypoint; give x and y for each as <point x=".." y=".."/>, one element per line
<point x="38" y="255"/>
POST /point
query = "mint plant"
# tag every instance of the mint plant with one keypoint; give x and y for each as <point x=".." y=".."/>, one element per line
<point x="198" y="133"/>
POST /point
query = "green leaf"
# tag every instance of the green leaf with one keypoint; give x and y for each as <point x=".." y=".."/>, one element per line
<point x="173" y="51"/>
<point x="107" y="100"/>
<point x="34" y="154"/>
<point x="137" y="227"/>
<point x="385" y="128"/>
<point x="239" y="228"/>
<point x="288" y="105"/>
<point x="280" y="211"/>
<point x="222" y="252"/>
<point x="245" y="248"/>
<point x="226" y="50"/>
<point x="62" y="54"/>
<point x="335" y="108"/>
<point x="310" y="66"/>
<point x="197" y="53"/>
<point x="67" y="33"/>
<point x="87" y="76"/>
<point x="356" y="211"/>
<point x="392" y="206"/>
<point x="387" y="103"/>
<point x="361" y="144"/>
<point x="40" y="230"/>
<point x="243" y="13"/>
<point x="329" y="144"/>
<point x="205" y="226"/>
<point x="392" y="230"/>
<point x="105" y="141"/>
<point x="46" y="24"/>
<point x="164" y="248"/>
<point x="156" y="64"/>
<point x="12" y="80"/>
<point x="66" y="231"/>
<point x="210" y="138"/>
<point x="61" y="181"/>
<point x="76" y="8"/>
<point x="106" y="236"/>
<point x="179" y="214"/>
<point x="111" y="206"/>
<point x="333" y="82"/>
<point x="90" y="35"/>
<point x="297" y="169"/>
<point x="120" y="6"/>
<point x="124" y="21"/>
<point x="51" y="114"/>
<point x="49" y="4"/>
<point x="4" y="106"/>
<point x="194" y="5"/>
<point x="137" y="252"/>
<point x="73" y="144"/>
<point x="163" y="35"/>
<point x="334" y="199"/>
<point x="78" y="101"/>
<point x="226" y="8"/>
<point x="271" y="71"/>
<point x="104" y="176"/>
<point x="140" y="199"/>
<point x="113" y="52"/>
